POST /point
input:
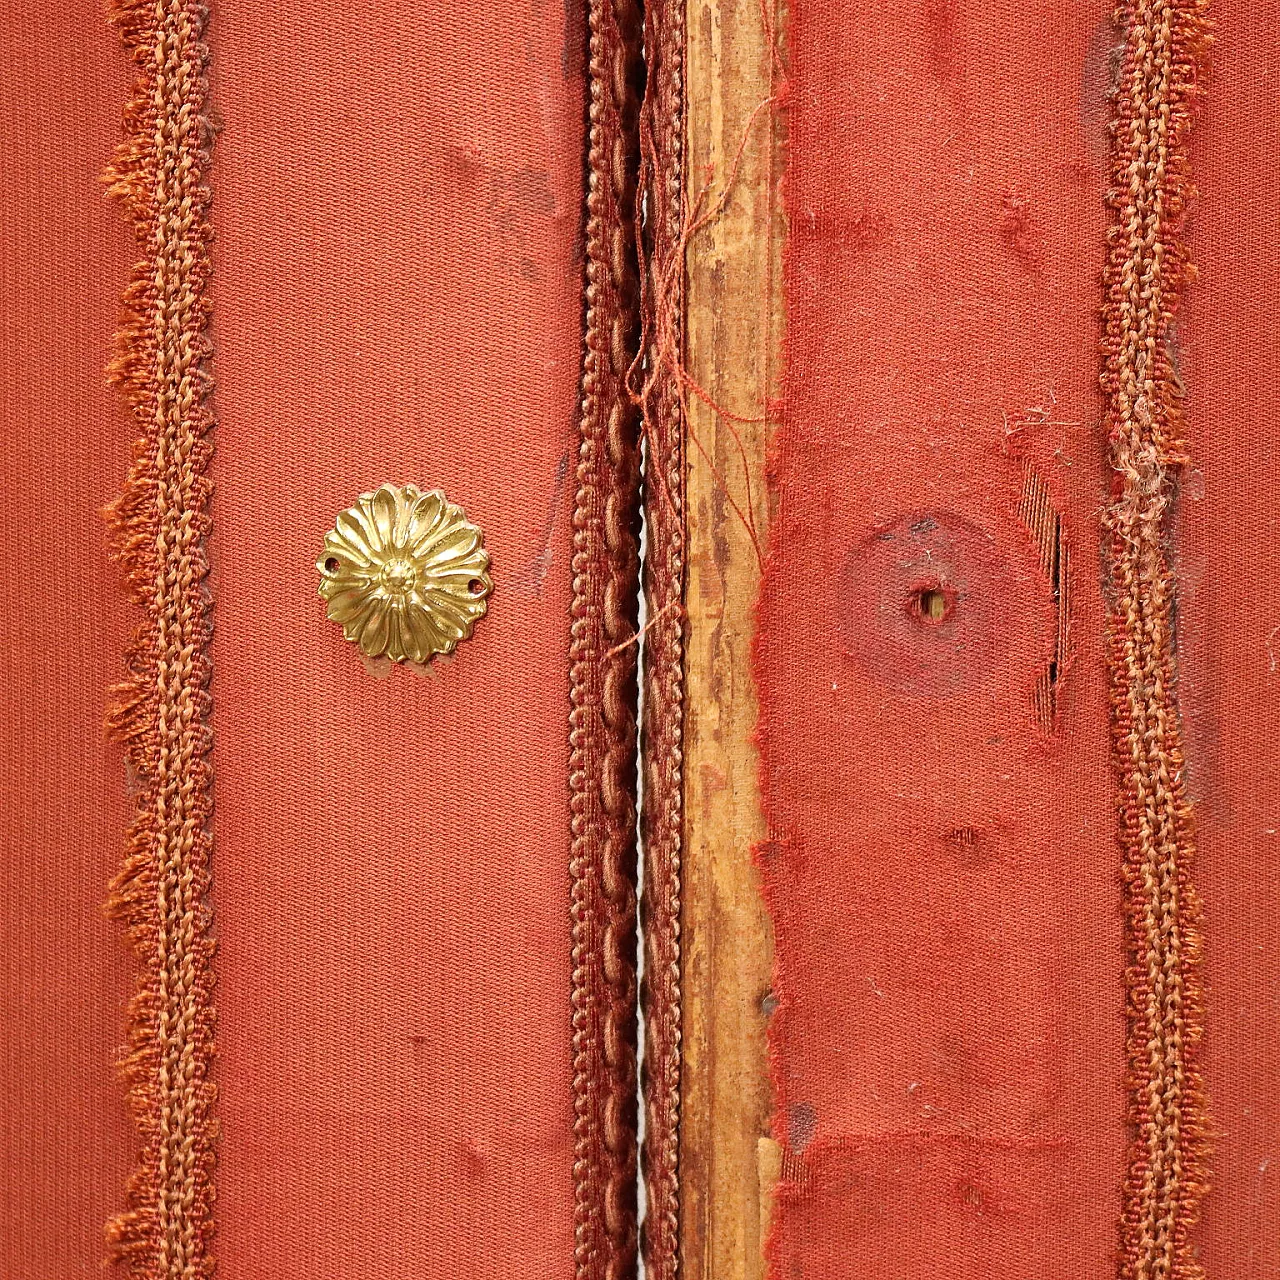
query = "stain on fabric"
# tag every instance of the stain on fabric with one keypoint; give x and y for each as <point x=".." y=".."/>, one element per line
<point x="940" y="22"/>
<point x="530" y="579"/>
<point x="802" y="1125"/>
<point x="924" y="604"/>
<point x="1099" y="75"/>
<point x="573" y="49"/>
<point x="520" y="204"/>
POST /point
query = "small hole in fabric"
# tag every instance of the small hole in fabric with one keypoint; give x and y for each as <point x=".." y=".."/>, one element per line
<point x="932" y="604"/>
<point x="893" y="584"/>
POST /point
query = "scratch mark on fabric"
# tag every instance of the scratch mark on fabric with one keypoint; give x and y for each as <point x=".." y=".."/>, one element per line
<point x="530" y="579"/>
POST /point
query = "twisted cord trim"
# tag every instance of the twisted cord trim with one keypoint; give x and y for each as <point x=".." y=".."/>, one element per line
<point x="161" y="711"/>
<point x="662" y="179"/>
<point x="1164" y="43"/>
<point x="602" y="737"/>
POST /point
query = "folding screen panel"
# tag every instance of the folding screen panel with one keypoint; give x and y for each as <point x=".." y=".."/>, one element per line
<point x="383" y="388"/>
<point x="379" y="869"/>
<point x="974" y="551"/>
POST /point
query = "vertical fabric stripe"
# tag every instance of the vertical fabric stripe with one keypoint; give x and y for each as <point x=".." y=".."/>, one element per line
<point x="1147" y="267"/>
<point x="161" y="711"/>
<point x="945" y="1022"/>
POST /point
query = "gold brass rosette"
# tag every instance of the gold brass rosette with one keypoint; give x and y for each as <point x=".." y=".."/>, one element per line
<point x="405" y="573"/>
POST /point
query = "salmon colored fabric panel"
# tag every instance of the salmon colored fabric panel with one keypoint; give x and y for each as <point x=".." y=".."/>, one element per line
<point x="65" y="1140"/>
<point x="397" y="298"/>
<point x="1228" y="548"/>
<point x="943" y="868"/>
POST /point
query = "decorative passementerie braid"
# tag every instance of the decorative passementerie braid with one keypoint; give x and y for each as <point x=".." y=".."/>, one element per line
<point x="602" y="763"/>
<point x="662" y="179"/>
<point x="161" y="712"/>
<point x="1164" y="42"/>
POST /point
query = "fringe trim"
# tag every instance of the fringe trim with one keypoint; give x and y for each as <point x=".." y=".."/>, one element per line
<point x="603" y="644"/>
<point x="161" y="711"/>
<point x="1156" y="98"/>
<point x="662" y="309"/>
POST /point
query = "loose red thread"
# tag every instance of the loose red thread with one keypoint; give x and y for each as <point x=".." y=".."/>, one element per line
<point x="664" y="328"/>
<point x="1147" y="266"/>
<point x="602" y="738"/>
<point x="664" y="387"/>
<point x="161" y="711"/>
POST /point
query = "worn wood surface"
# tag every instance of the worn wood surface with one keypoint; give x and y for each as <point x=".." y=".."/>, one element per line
<point x="728" y="1161"/>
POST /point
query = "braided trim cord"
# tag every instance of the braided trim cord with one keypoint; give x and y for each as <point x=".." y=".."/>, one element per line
<point x="160" y="524"/>
<point x="662" y="179"/>
<point x="1147" y="266"/>
<point x="602" y="762"/>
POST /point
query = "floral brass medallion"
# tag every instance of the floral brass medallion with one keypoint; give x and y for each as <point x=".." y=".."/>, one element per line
<point x="405" y="574"/>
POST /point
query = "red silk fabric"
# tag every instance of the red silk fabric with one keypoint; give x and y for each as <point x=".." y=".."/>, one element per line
<point x="1228" y="555"/>
<point x="397" y="298"/>
<point x="943" y="867"/>
<point x="65" y="1139"/>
